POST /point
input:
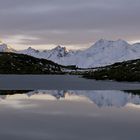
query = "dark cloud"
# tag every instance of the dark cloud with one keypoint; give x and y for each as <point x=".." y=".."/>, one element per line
<point x="69" y="22"/>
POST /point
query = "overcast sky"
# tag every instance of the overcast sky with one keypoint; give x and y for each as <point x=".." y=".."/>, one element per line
<point x="71" y="23"/>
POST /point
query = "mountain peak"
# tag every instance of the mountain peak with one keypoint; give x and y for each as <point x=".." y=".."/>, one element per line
<point x="32" y="49"/>
<point x="121" y="42"/>
<point x="5" y="48"/>
<point x="60" y="48"/>
<point x="102" y="42"/>
<point x="106" y="43"/>
<point x="60" y="51"/>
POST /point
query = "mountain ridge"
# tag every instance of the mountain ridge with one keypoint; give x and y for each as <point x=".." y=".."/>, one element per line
<point x="12" y="63"/>
<point x="121" y="71"/>
<point x="102" y="53"/>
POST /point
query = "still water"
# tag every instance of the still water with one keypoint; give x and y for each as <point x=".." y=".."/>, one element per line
<point x="69" y="115"/>
<point x="61" y="82"/>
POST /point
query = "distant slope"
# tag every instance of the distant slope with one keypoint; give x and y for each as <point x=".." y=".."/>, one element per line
<point x="11" y="63"/>
<point x="5" y="48"/>
<point x="102" y="53"/>
<point x="124" y="71"/>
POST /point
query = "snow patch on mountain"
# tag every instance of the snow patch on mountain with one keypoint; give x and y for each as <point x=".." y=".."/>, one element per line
<point x="102" y="53"/>
<point x="5" y="48"/>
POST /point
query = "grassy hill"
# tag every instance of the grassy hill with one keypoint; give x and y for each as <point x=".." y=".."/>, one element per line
<point x="11" y="63"/>
<point x="124" y="71"/>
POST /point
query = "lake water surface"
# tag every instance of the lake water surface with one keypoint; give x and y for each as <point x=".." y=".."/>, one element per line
<point x="70" y="115"/>
<point x="61" y="82"/>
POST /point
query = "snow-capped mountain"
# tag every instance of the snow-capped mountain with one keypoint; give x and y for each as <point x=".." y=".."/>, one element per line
<point x="5" y="48"/>
<point x="30" y="51"/>
<point x="102" y="53"/>
<point x="53" y="54"/>
<point x="56" y="53"/>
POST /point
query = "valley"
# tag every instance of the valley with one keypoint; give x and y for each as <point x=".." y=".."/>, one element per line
<point x="105" y="60"/>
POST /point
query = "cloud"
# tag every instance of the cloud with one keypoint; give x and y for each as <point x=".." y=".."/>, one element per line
<point x="69" y="22"/>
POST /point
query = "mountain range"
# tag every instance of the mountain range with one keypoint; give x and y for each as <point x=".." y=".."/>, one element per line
<point x="102" y="53"/>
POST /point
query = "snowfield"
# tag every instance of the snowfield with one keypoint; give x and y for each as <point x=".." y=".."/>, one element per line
<point x="102" y="53"/>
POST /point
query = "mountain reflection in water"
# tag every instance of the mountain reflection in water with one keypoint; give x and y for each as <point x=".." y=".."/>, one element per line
<point x="106" y="98"/>
<point x="69" y="115"/>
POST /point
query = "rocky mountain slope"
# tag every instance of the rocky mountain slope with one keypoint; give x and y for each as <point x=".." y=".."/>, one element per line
<point x="12" y="63"/>
<point x="123" y="71"/>
<point x="6" y="48"/>
<point x="102" y="53"/>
